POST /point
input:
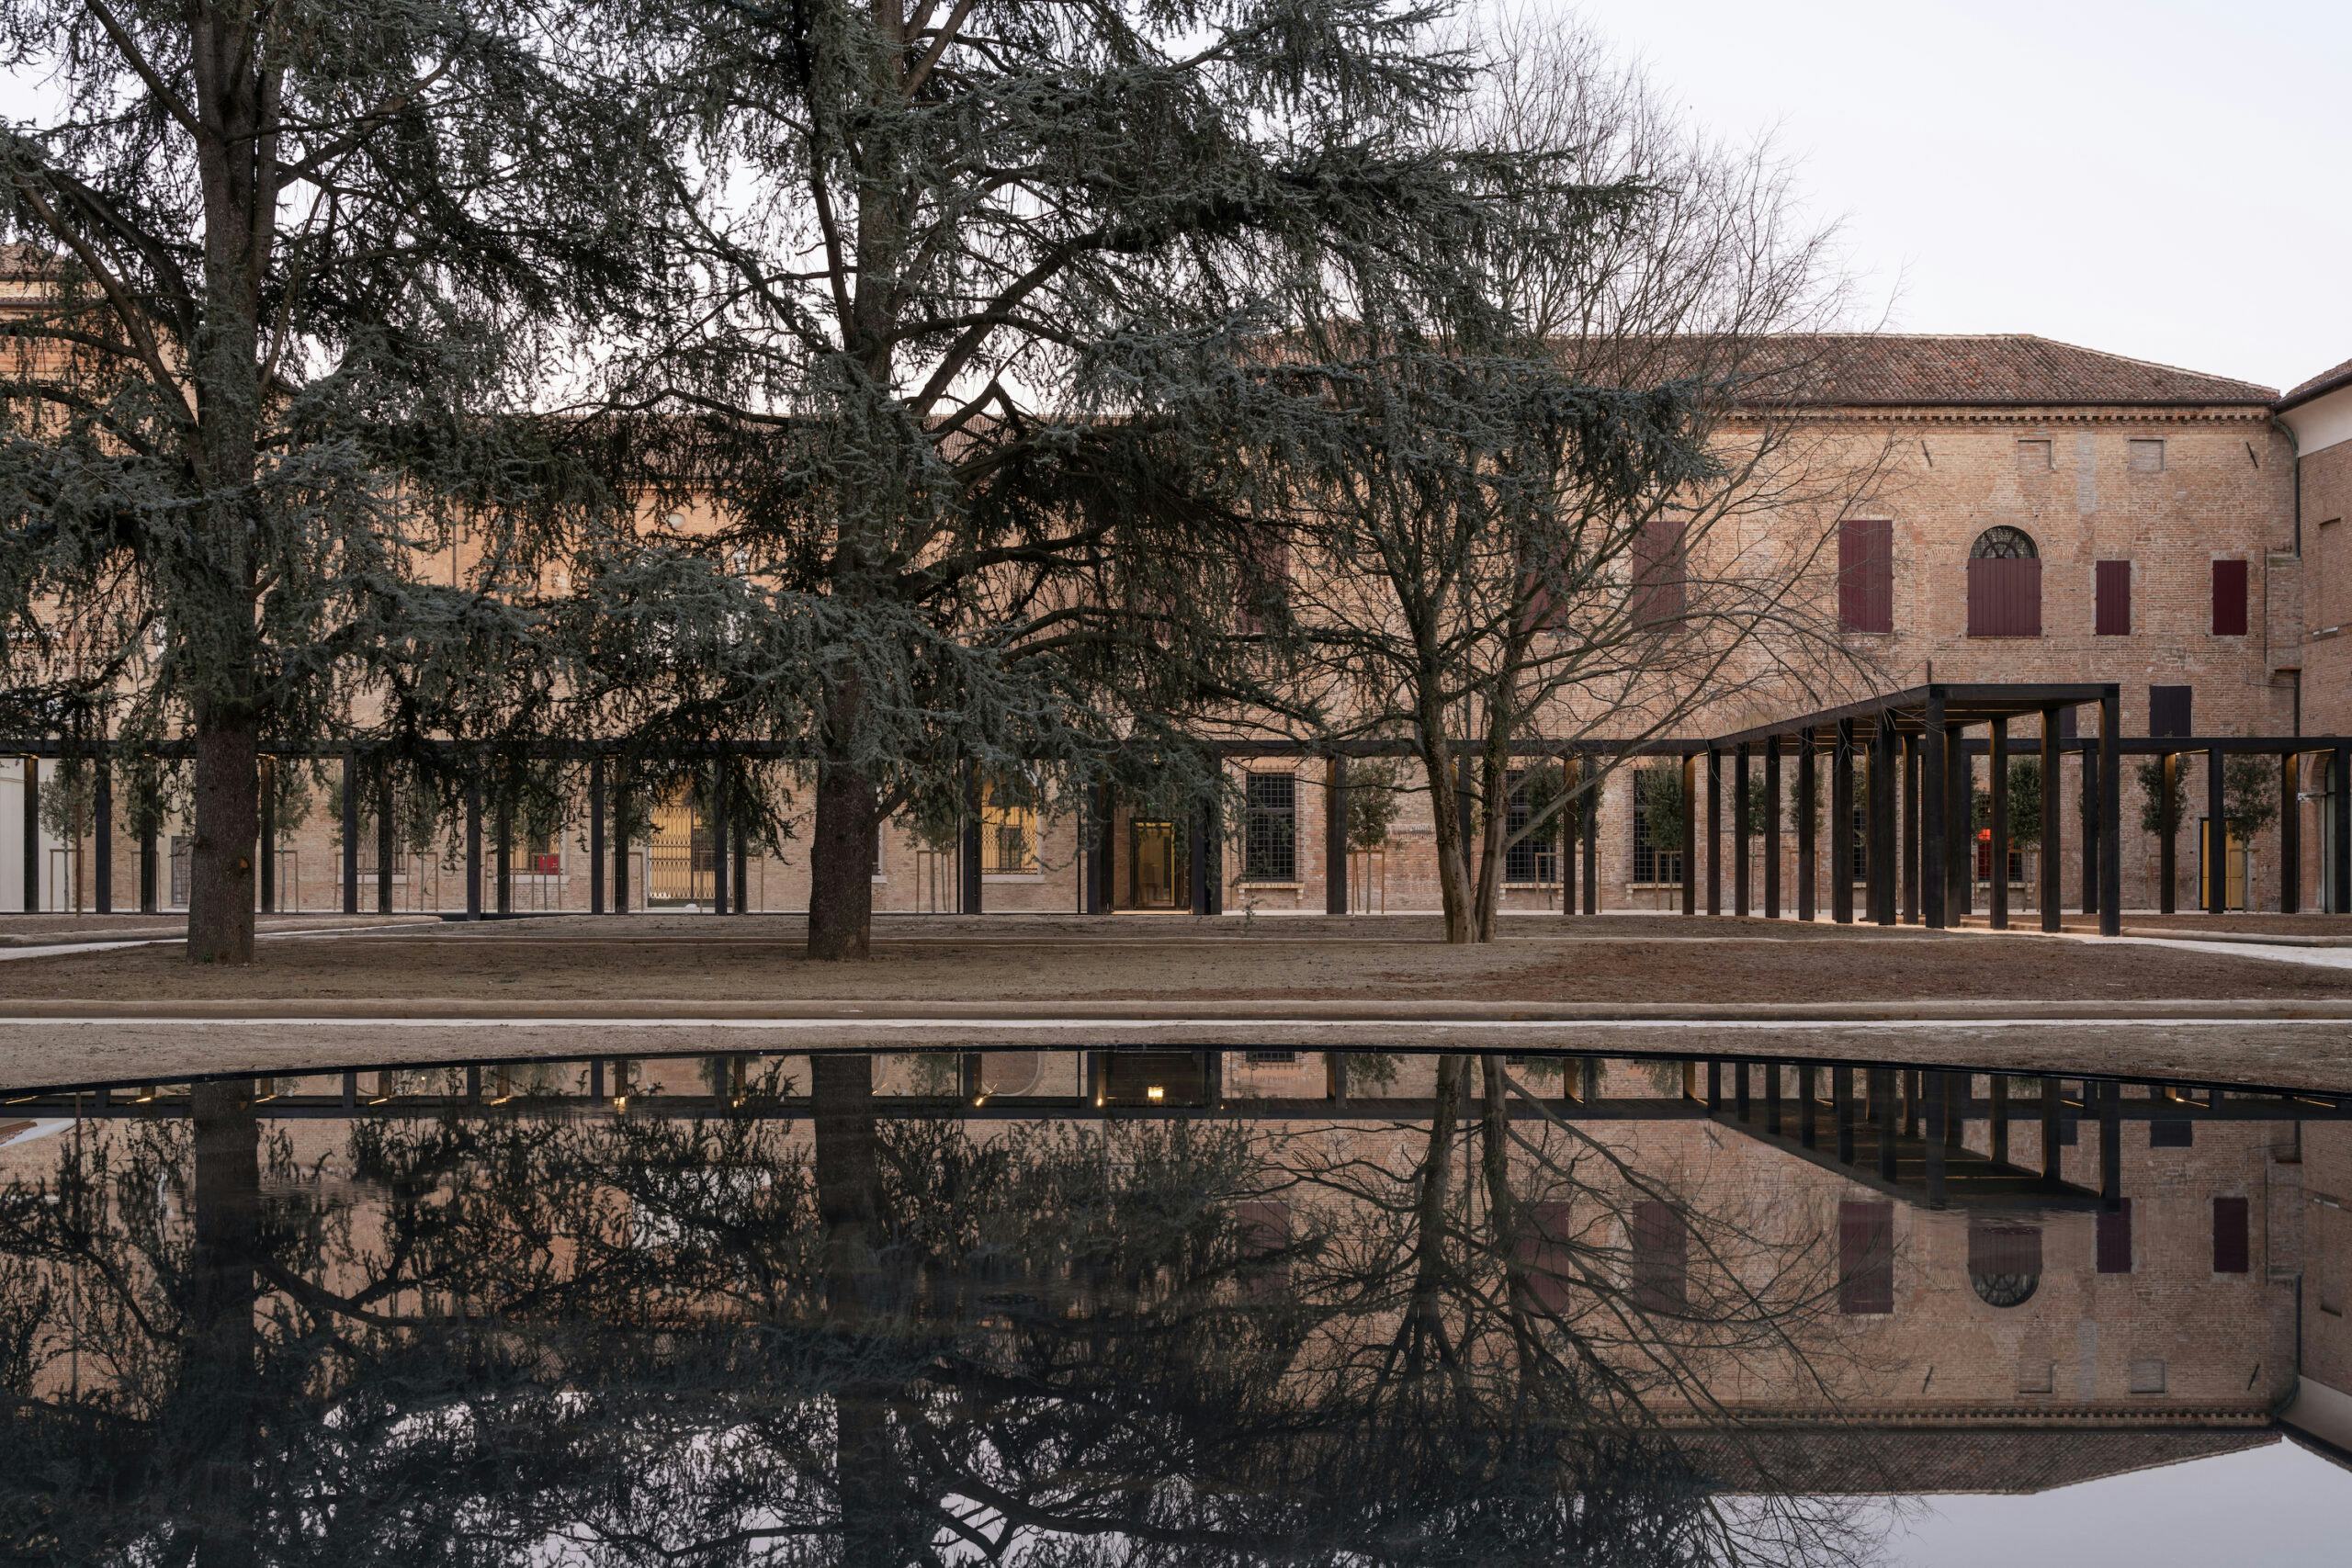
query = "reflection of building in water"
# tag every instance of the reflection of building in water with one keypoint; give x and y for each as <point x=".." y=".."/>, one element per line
<point x="1967" y="1321"/>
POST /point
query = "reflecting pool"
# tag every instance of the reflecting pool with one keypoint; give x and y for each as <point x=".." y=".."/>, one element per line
<point x="1147" y="1307"/>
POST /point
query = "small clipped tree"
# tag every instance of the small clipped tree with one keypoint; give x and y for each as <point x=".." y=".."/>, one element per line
<point x="1657" y="795"/>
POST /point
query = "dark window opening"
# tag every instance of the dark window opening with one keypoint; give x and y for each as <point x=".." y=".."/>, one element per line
<point x="2114" y="1236"/>
<point x="2229" y="598"/>
<point x="2169" y="710"/>
<point x="1270" y="828"/>
<point x="2231" y="1252"/>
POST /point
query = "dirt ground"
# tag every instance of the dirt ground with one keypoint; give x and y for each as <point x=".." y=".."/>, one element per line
<point x="1047" y="959"/>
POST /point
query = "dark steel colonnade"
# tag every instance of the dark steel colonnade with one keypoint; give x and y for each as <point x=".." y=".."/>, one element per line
<point x="1908" y="841"/>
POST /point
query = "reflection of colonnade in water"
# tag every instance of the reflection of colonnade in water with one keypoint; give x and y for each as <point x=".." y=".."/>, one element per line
<point x="1983" y="1250"/>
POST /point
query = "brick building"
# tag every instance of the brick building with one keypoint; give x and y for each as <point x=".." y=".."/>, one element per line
<point x="2042" y="512"/>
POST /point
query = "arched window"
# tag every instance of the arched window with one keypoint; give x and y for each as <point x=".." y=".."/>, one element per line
<point x="2004" y="1262"/>
<point x="2003" y="544"/>
<point x="2004" y="584"/>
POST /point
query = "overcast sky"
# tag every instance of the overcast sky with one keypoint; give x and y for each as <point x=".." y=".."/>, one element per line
<point x="2170" y="179"/>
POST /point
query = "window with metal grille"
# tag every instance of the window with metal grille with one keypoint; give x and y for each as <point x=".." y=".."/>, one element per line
<point x="1865" y="1256"/>
<point x="2112" y="598"/>
<point x="1270" y="828"/>
<point x="1270" y="1058"/>
<point x="2229" y="598"/>
<point x="1535" y="858"/>
<point x="1866" y="574"/>
<point x="1008" y="835"/>
<point x="2004" y="584"/>
<point x="1650" y="863"/>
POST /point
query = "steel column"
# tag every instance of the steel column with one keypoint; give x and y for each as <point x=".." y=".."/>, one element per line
<point x="1997" y="786"/>
<point x="1881" y="821"/>
<point x="2110" y="1145"/>
<point x="1841" y="1095"/>
<point x="1589" y="820"/>
<point x="2167" y="830"/>
<point x="1911" y="830"/>
<point x="2087" y="758"/>
<point x="1939" y="1098"/>
<point x="350" y="833"/>
<point x="502" y="853"/>
<point x="1741" y="833"/>
<point x="1335" y="837"/>
<point x="721" y="856"/>
<point x="1808" y="1110"/>
<point x="1772" y="827"/>
<point x="150" y="812"/>
<point x="1960" y="838"/>
<point x="621" y="826"/>
<point x="2052" y="823"/>
<point x="31" y="866"/>
<point x="101" y="828"/>
<point x="972" y="851"/>
<point x="1935" y="907"/>
<point x="386" y="823"/>
<point x="2054" y="1151"/>
<point x="1808" y="828"/>
<point x="595" y="835"/>
<point x="267" y="772"/>
<point x="1689" y="836"/>
<point x="2111" y="814"/>
<point x="1841" y="826"/>
<point x="2217" y="835"/>
<point x="2290" y="833"/>
<point x="1714" y="832"/>
<point x="474" y="849"/>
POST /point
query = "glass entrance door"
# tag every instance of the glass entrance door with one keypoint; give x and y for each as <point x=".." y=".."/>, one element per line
<point x="1158" y="866"/>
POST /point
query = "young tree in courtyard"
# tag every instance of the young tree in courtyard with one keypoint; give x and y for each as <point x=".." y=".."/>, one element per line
<point x="281" y="273"/>
<point x="1581" y="503"/>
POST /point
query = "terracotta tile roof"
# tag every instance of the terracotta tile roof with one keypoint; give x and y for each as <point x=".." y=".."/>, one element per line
<point x="2325" y="381"/>
<point x="1899" y="1460"/>
<point x="1996" y="370"/>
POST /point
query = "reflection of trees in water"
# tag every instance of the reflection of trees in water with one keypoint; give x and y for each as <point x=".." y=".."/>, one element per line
<point x="726" y="1341"/>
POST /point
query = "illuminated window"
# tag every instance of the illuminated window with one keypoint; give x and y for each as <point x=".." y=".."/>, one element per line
<point x="1008" y="835"/>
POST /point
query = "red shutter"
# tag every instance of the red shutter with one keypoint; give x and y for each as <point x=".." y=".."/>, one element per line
<point x="2115" y="1239"/>
<point x="2112" y="615"/>
<point x="2230" y="1249"/>
<point x="1866" y="574"/>
<point x="1264" y="1226"/>
<point x="1542" y="1251"/>
<point x="1661" y="1258"/>
<point x="1658" y="585"/>
<point x="1865" y="1256"/>
<point x="2229" y="598"/>
<point x="2004" y="597"/>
